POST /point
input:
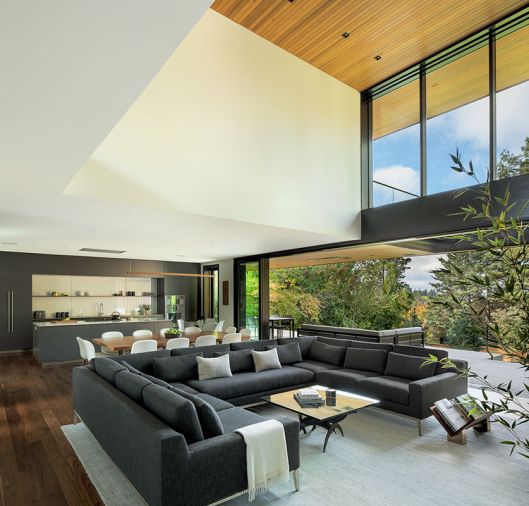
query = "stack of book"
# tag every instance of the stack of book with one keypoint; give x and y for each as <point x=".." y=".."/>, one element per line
<point x="459" y="412"/>
<point x="309" y="398"/>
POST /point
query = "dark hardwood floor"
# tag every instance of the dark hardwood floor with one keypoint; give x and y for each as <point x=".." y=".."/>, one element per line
<point x="37" y="464"/>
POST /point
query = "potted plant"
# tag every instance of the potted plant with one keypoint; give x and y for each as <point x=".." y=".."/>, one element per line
<point x="172" y="332"/>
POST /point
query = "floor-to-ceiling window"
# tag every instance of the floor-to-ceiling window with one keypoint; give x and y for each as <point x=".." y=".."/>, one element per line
<point x="248" y="296"/>
<point x="471" y="98"/>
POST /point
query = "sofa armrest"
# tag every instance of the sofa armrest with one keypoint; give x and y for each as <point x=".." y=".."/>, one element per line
<point x="423" y="393"/>
<point x="216" y="467"/>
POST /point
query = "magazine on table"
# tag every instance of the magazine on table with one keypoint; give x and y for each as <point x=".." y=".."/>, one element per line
<point x="470" y="406"/>
<point x="452" y="414"/>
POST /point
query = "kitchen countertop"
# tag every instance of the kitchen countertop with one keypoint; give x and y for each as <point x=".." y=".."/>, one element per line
<point x="104" y="322"/>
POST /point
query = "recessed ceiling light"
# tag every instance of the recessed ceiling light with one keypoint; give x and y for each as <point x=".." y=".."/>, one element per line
<point x="345" y="35"/>
<point x="98" y="250"/>
<point x="378" y="57"/>
<point x="10" y="243"/>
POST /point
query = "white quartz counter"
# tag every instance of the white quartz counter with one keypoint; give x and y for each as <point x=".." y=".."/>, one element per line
<point x="69" y="323"/>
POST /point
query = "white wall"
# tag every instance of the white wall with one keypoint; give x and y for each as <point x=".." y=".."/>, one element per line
<point x="234" y="127"/>
<point x="225" y="274"/>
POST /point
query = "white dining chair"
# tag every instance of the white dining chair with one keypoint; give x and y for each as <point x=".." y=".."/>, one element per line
<point x="113" y="334"/>
<point x="163" y="331"/>
<point x="144" y="346"/>
<point x="209" y="326"/>
<point x="231" y="330"/>
<point x="87" y="350"/>
<point x="220" y="326"/>
<point x="206" y="341"/>
<point x="177" y="342"/>
<point x="181" y="325"/>
<point x="192" y="333"/>
<point x="83" y="350"/>
<point x="246" y="334"/>
<point x="142" y="333"/>
<point x="231" y="338"/>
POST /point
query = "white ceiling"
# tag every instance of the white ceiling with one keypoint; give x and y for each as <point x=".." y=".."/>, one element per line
<point x="71" y="70"/>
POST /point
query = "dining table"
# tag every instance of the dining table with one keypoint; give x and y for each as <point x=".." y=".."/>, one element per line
<point x="121" y="345"/>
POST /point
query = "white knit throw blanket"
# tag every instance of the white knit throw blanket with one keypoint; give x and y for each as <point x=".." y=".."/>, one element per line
<point x="266" y="455"/>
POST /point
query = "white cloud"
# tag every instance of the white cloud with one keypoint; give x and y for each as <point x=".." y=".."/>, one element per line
<point x="399" y="176"/>
<point x="512" y="106"/>
<point x="419" y="275"/>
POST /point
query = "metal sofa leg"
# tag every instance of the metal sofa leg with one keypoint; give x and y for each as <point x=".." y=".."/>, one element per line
<point x="296" y="479"/>
<point x="419" y="427"/>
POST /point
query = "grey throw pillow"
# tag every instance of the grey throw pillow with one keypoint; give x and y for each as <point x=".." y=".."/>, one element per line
<point x="108" y="368"/>
<point x="288" y="353"/>
<point x="210" y="368"/>
<point x="366" y="359"/>
<point x="176" y="369"/>
<point x="240" y="361"/>
<point x="264" y="360"/>
<point x="327" y="353"/>
<point x="408" y="367"/>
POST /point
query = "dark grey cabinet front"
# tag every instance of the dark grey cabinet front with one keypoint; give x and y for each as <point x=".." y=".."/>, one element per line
<point x="15" y="312"/>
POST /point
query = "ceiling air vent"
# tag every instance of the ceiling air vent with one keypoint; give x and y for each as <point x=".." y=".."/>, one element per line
<point x="98" y="250"/>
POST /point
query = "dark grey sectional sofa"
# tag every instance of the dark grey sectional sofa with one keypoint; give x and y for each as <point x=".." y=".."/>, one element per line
<point x="136" y="406"/>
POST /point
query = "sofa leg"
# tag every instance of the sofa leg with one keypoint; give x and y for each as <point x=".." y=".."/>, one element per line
<point x="296" y="479"/>
<point x="419" y="427"/>
<point x="76" y="418"/>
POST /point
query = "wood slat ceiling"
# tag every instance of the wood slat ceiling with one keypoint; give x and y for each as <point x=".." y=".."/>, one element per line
<point x="402" y="32"/>
<point x="343" y="255"/>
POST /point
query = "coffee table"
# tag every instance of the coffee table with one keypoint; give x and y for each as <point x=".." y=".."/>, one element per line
<point x="327" y="417"/>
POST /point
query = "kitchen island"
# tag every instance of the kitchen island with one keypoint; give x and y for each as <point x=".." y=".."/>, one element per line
<point x="55" y="342"/>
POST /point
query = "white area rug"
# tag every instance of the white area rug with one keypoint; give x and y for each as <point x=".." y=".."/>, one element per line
<point x="380" y="461"/>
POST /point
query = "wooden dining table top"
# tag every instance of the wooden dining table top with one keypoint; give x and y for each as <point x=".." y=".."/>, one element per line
<point x="125" y="343"/>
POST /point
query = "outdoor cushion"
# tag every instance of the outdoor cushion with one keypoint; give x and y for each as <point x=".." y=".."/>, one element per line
<point x="423" y="352"/>
<point x="304" y="343"/>
<point x="408" y="366"/>
<point x="288" y="353"/>
<point x="249" y="383"/>
<point x="366" y="359"/>
<point x="253" y="345"/>
<point x="333" y="341"/>
<point x="388" y="388"/>
<point x="235" y="418"/>
<point x="108" y="368"/>
<point x="207" y="351"/>
<point x="216" y="367"/>
<point x="142" y="361"/>
<point x="174" y="410"/>
<point x="131" y="384"/>
<point x="343" y="379"/>
<point x="178" y="368"/>
<point x="217" y="404"/>
<point x="265" y="360"/>
<point x="209" y="420"/>
<point x="315" y="366"/>
<point x="240" y="361"/>
<point x="371" y="346"/>
<point x="327" y="353"/>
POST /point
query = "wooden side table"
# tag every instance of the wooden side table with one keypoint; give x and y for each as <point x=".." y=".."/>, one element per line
<point x="480" y="424"/>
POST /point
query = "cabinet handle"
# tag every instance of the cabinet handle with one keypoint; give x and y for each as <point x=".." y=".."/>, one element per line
<point x="12" y="310"/>
<point x="9" y="310"/>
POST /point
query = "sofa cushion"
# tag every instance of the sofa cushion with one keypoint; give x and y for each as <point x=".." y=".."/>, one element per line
<point x="288" y="353"/>
<point x="152" y="379"/>
<point x="423" y="352"/>
<point x="408" y="367"/>
<point x="215" y="367"/>
<point x="387" y="388"/>
<point x="216" y="403"/>
<point x="142" y="361"/>
<point x="209" y="420"/>
<point x="177" y="412"/>
<point x="343" y="379"/>
<point x="235" y="418"/>
<point x="333" y="341"/>
<point x="366" y="359"/>
<point x="207" y="351"/>
<point x="240" y="361"/>
<point x="304" y="343"/>
<point x="265" y="360"/>
<point x="327" y="353"/>
<point x="315" y="366"/>
<point x="184" y="387"/>
<point x="253" y="345"/>
<point x="108" y="368"/>
<point x="131" y="384"/>
<point x="177" y="368"/>
<point x="371" y="346"/>
<point x="249" y="383"/>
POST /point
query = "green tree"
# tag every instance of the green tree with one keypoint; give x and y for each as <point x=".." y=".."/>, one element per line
<point x="510" y="164"/>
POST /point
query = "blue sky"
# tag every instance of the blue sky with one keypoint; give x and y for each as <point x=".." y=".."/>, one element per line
<point x="396" y="156"/>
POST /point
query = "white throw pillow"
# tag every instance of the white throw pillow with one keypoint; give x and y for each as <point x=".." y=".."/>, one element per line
<point x="264" y="360"/>
<point x="218" y="367"/>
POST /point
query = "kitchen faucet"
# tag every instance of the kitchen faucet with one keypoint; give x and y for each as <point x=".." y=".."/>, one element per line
<point x="101" y="309"/>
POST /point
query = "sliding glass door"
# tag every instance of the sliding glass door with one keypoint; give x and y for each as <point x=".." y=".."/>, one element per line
<point x="248" y="295"/>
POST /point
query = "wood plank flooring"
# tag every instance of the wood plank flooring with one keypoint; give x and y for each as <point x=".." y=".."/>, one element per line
<point x="37" y="464"/>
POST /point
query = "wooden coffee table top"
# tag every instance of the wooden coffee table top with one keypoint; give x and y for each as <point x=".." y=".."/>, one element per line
<point x="346" y="402"/>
